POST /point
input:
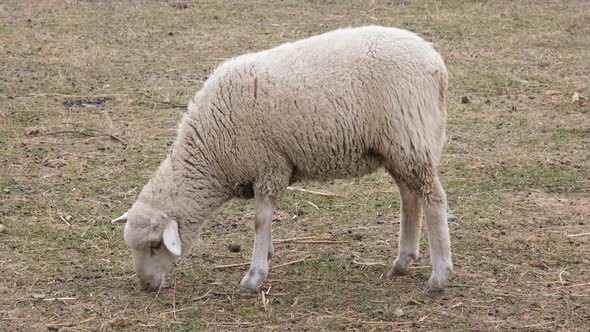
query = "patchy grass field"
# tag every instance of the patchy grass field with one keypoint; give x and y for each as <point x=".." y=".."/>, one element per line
<point x="88" y="105"/>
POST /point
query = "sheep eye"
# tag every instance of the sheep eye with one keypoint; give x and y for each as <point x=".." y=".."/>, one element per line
<point x="155" y="246"/>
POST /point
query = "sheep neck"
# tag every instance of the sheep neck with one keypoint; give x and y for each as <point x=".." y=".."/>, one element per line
<point x="187" y="196"/>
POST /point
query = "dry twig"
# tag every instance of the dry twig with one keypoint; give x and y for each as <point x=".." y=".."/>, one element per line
<point x="289" y="263"/>
<point x="265" y="301"/>
<point x="87" y="320"/>
<point x="71" y="96"/>
<point x="310" y="203"/>
<point x="367" y="263"/>
<point x="384" y="323"/>
<point x="319" y="241"/>
<point x="203" y="296"/>
<point x="298" y="239"/>
<point x="248" y="263"/>
<point x="60" y="299"/>
<point x="86" y="133"/>
<point x="98" y="131"/>
<point x="576" y="235"/>
<point x="231" y="265"/>
<point x="539" y="324"/>
<point x="65" y="221"/>
<point x="234" y="294"/>
<point x="321" y="193"/>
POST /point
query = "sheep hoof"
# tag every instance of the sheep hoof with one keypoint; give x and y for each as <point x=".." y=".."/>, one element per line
<point x="253" y="279"/>
<point x="401" y="266"/>
<point x="247" y="290"/>
<point x="396" y="272"/>
<point x="434" y="290"/>
<point x="437" y="281"/>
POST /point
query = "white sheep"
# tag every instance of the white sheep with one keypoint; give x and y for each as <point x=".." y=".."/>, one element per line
<point x="337" y="105"/>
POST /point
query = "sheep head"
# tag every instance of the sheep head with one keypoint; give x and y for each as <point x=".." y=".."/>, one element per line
<point x="154" y="241"/>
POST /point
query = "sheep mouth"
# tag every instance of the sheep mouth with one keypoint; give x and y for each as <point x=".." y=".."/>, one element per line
<point x="154" y="284"/>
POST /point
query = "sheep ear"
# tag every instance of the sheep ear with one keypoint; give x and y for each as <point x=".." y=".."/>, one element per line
<point x="171" y="238"/>
<point x="122" y="219"/>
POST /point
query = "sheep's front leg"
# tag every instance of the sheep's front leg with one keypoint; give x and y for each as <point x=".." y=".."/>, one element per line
<point x="409" y="236"/>
<point x="435" y="212"/>
<point x="262" y="251"/>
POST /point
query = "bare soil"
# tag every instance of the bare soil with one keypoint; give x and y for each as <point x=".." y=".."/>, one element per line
<point x="90" y="95"/>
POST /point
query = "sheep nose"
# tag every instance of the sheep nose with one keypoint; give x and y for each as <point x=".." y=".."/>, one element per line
<point x="150" y="285"/>
<point x="144" y="285"/>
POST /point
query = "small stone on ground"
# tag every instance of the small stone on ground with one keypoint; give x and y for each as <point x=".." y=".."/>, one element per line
<point x="234" y="247"/>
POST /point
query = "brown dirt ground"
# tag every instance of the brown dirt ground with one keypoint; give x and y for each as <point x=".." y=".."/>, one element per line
<point x="89" y="100"/>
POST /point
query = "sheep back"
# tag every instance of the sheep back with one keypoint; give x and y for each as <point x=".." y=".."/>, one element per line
<point x="337" y="105"/>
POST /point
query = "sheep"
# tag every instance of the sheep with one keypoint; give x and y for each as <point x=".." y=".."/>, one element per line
<point x="337" y="105"/>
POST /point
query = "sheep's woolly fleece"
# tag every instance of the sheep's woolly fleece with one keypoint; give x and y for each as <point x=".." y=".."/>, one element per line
<point x="337" y="105"/>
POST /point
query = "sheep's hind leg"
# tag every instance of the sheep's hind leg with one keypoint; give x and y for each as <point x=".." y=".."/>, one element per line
<point x="435" y="211"/>
<point x="409" y="236"/>
<point x="262" y="250"/>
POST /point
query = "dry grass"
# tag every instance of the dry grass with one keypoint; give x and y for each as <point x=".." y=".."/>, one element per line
<point x="515" y="168"/>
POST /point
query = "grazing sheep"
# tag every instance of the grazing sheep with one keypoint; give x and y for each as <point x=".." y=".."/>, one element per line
<point x="337" y="105"/>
